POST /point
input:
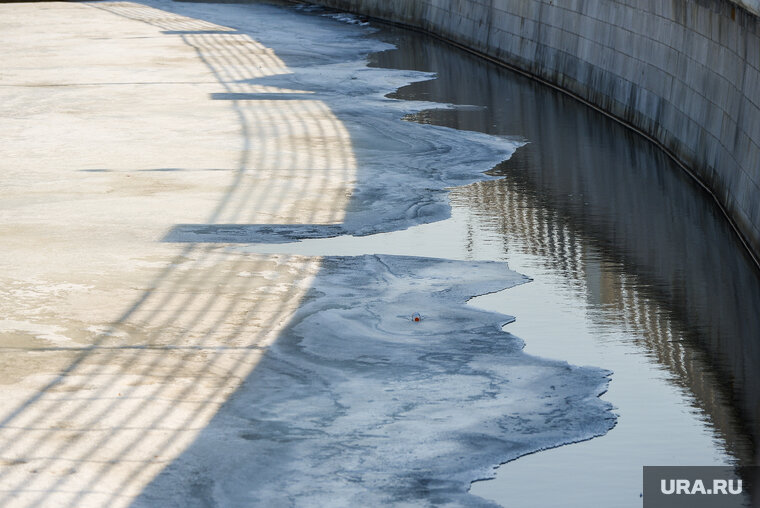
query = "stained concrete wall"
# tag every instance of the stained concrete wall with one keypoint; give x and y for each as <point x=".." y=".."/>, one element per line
<point x="750" y="5"/>
<point x="685" y="72"/>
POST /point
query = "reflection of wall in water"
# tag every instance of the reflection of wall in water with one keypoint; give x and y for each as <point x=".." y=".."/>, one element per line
<point x="583" y="184"/>
<point x="655" y="320"/>
<point x="684" y="72"/>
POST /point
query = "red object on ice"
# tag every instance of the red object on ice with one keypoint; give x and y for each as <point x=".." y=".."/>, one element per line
<point x="416" y="317"/>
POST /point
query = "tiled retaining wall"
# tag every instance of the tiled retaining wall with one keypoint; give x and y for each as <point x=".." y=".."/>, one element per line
<point x="685" y="72"/>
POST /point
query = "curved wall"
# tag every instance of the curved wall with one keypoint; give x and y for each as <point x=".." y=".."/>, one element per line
<point x="684" y="72"/>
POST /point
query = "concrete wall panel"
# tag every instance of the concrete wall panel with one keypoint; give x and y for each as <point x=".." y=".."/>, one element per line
<point x="685" y="72"/>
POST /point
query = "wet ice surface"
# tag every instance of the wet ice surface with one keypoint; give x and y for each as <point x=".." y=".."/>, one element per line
<point x="357" y="404"/>
<point x="402" y="179"/>
<point x="403" y="168"/>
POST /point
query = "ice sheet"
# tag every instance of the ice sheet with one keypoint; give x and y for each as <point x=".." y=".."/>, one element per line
<point x="403" y="168"/>
<point x="356" y="404"/>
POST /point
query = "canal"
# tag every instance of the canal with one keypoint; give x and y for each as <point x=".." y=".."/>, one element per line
<point x="635" y="269"/>
<point x="281" y="307"/>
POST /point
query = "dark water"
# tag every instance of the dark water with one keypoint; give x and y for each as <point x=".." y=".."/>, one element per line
<point x="612" y="222"/>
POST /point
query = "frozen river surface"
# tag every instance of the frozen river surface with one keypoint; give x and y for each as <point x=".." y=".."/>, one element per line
<point x="385" y="410"/>
<point x="232" y="322"/>
<point x="356" y="403"/>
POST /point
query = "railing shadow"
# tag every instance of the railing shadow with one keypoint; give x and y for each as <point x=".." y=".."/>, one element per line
<point x="145" y="389"/>
<point x="128" y="403"/>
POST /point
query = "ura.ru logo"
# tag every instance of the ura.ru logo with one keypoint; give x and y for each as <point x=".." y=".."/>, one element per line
<point x="698" y="487"/>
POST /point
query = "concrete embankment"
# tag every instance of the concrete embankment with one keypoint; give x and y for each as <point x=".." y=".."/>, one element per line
<point x="685" y="73"/>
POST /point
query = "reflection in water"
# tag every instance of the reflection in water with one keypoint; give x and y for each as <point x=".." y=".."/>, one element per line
<point x="610" y="213"/>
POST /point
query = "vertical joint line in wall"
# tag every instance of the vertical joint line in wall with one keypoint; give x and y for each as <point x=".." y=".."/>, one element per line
<point x="539" y="36"/>
<point x="489" y="21"/>
<point x="740" y="118"/>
